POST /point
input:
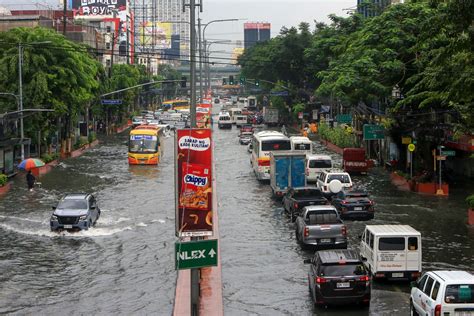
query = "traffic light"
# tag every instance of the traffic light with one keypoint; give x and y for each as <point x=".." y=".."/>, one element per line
<point x="242" y="80"/>
<point x="183" y="82"/>
<point x="224" y="81"/>
<point x="257" y="82"/>
<point x="231" y="80"/>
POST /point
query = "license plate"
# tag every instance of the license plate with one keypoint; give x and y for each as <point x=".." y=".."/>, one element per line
<point x="343" y="285"/>
<point x="467" y="313"/>
<point x="397" y="275"/>
<point x="358" y="208"/>
<point x="325" y="240"/>
<point x="67" y="226"/>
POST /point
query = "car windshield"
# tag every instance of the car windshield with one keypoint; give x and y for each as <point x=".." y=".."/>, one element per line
<point x="308" y="193"/>
<point x="320" y="163"/>
<point x="354" y="195"/>
<point x="341" y="177"/>
<point x="343" y="269"/>
<point x="72" y="204"/>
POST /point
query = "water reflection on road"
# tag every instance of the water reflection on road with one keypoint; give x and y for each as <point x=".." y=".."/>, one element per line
<point x="263" y="270"/>
<point x="124" y="265"/>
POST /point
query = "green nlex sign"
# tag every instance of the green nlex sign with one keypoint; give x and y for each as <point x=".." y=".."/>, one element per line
<point x="195" y="254"/>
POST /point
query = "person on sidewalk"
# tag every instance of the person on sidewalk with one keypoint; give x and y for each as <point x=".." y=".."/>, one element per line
<point x="30" y="180"/>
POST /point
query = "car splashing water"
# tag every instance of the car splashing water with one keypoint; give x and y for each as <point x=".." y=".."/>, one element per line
<point x="123" y="265"/>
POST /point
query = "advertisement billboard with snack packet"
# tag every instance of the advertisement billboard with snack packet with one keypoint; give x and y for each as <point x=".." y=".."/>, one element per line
<point x="193" y="182"/>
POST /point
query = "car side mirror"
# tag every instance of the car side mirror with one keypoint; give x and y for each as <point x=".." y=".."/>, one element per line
<point x="53" y="207"/>
<point x="93" y="207"/>
<point x="307" y="261"/>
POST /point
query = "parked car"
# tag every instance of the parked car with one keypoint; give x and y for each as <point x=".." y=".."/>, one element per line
<point x="443" y="293"/>
<point x="321" y="226"/>
<point x="245" y="138"/>
<point x="341" y="180"/>
<point x="297" y="198"/>
<point x="338" y="277"/>
<point x="246" y="128"/>
<point x="75" y="211"/>
<point x="354" y="204"/>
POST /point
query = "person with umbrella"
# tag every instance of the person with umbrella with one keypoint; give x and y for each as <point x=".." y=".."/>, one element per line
<point x="27" y="165"/>
<point x="30" y="179"/>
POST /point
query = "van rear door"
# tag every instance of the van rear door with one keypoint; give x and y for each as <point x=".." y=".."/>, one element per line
<point x="391" y="256"/>
<point x="413" y="253"/>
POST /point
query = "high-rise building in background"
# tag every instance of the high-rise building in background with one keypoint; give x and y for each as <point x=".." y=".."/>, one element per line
<point x="256" y="32"/>
<point x="162" y="31"/>
<point x="370" y="8"/>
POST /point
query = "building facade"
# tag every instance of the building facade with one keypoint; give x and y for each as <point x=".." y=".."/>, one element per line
<point x="371" y="8"/>
<point x="256" y="32"/>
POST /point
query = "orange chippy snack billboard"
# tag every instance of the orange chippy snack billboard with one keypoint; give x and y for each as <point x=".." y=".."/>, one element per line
<point x="194" y="182"/>
<point x="203" y="115"/>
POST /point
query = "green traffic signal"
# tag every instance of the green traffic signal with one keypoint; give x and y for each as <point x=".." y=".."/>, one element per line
<point x="257" y="82"/>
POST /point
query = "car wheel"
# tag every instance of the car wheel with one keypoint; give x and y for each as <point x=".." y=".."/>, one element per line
<point x="413" y="312"/>
<point x="293" y="217"/>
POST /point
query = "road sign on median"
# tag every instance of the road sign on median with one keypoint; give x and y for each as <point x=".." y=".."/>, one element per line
<point x="449" y="153"/>
<point x="111" y="102"/>
<point x="195" y="254"/>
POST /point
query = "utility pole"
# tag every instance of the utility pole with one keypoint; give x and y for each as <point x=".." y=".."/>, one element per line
<point x="192" y="18"/>
<point x="64" y="16"/>
<point x="200" y="58"/>
<point x="20" y="97"/>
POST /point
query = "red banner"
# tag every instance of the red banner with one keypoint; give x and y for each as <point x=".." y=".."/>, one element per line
<point x="194" y="182"/>
<point x="203" y="115"/>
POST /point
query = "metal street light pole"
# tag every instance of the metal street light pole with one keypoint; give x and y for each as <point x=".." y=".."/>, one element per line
<point x="192" y="19"/>
<point x="200" y="58"/>
<point x="20" y="101"/>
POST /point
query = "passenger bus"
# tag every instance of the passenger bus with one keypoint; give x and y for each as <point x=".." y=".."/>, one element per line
<point x="144" y="146"/>
<point x="262" y="144"/>
<point x="178" y="104"/>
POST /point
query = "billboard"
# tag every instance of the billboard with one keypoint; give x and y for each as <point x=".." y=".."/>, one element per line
<point x="155" y="35"/>
<point x="193" y="182"/>
<point x="99" y="8"/>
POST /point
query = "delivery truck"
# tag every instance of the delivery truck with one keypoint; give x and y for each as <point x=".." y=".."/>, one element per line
<point x="286" y="171"/>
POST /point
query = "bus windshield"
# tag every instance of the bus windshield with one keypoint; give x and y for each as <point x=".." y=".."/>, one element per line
<point x="143" y="144"/>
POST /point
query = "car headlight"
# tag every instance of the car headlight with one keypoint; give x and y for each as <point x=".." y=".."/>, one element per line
<point x="54" y="218"/>
<point x="83" y="217"/>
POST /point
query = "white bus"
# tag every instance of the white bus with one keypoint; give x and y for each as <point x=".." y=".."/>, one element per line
<point x="262" y="144"/>
<point x="301" y="144"/>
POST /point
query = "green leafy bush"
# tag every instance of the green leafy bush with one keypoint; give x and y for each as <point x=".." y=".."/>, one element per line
<point x="49" y="157"/>
<point x="470" y="201"/>
<point x="81" y="141"/>
<point x="92" y="137"/>
<point x="337" y="135"/>
<point x="3" y="179"/>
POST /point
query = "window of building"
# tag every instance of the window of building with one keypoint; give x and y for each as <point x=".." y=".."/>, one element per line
<point x="108" y="29"/>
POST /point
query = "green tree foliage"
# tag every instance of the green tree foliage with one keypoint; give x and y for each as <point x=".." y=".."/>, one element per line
<point x="57" y="74"/>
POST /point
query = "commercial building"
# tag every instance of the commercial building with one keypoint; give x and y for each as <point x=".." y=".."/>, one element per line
<point x="371" y="8"/>
<point x="256" y="32"/>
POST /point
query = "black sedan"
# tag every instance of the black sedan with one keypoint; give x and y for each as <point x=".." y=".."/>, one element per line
<point x="354" y="204"/>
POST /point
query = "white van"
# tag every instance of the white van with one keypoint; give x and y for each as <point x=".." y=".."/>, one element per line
<point x="240" y="120"/>
<point x="301" y="144"/>
<point x="233" y="113"/>
<point x="224" y="120"/>
<point x="315" y="165"/>
<point x="391" y="251"/>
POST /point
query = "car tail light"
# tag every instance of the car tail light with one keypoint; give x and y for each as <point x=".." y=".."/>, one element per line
<point x="415" y="275"/>
<point x="320" y="280"/>
<point x="306" y="231"/>
<point x="263" y="162"/>
<point x="364" y="278"/>
<point x="344" y="202"/>
<point x="437" y="311"/>
<point x="307" y="172"/>
<point x="295" y="205"/>
<point x="344" y="230"/>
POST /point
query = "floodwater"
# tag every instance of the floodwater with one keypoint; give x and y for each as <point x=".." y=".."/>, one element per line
<point x="263" y="270"/>
<point x="125" y="264"/>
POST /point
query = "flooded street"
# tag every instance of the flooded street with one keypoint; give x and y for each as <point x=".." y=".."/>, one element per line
<point x="263" y="270"/>
<point x="125" y="264"/>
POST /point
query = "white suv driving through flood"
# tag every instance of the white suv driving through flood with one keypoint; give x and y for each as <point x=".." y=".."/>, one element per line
<point x="328" y="176"/>
<point x="443" y="293"/>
